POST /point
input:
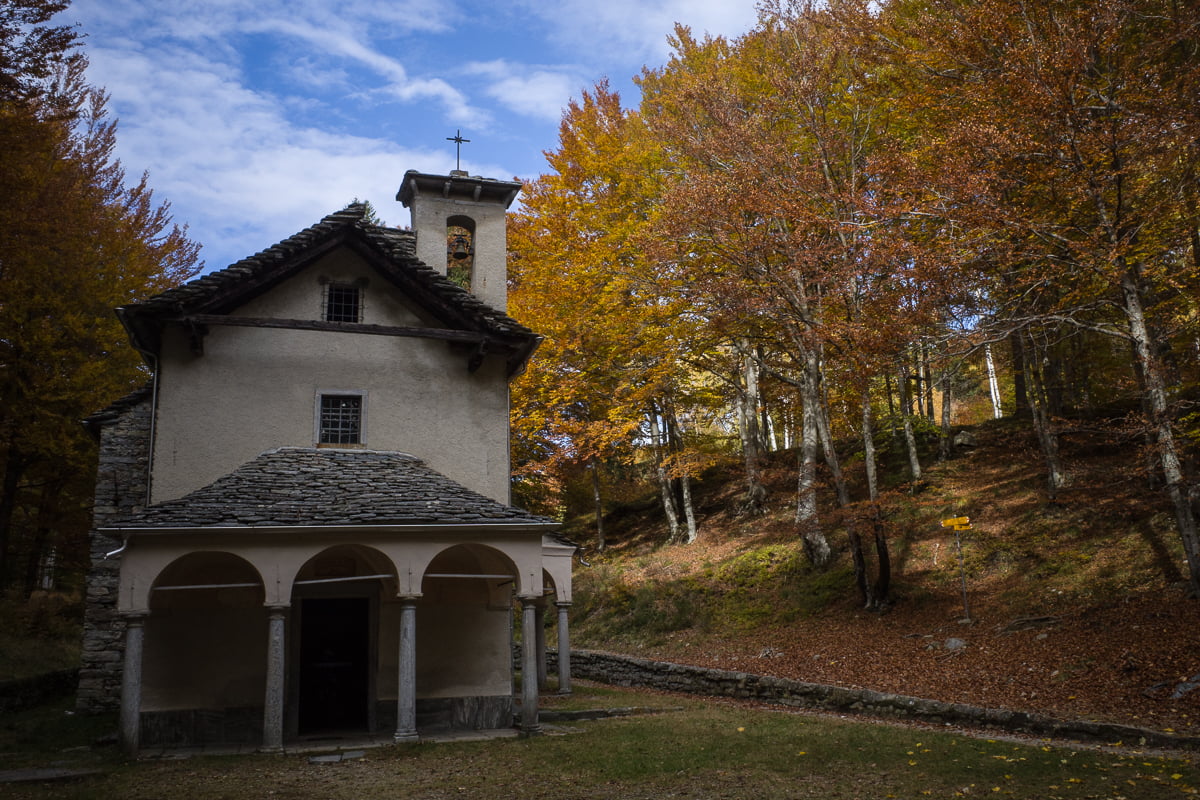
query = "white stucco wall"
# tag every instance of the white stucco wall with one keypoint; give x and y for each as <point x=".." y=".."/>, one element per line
<point x="210" y="656"/>
<point x="255" y="389"/>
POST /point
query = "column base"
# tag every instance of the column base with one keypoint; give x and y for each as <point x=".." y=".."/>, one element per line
<point x="535" y="730"/>
<point x="271" y="751"/>
<point x="401" y="737"/>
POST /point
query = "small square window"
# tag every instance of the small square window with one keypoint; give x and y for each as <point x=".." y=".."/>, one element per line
<point x="342" y="303"/>
<point x="341" y="419"/>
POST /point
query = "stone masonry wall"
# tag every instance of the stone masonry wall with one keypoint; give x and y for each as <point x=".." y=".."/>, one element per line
<point x="120" y="490"/>
<point x="627" y="671"/>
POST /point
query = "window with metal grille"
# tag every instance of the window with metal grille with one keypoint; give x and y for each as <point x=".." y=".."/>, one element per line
<point x="341" y="419"/>
<point x="342" y="303"/>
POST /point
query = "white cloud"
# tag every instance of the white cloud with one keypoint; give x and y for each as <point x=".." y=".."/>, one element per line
<point x="257" y="117"/>
<point x="232" y="165"/>
<point x="639" y="28"/>
<point x="530" y="91"/>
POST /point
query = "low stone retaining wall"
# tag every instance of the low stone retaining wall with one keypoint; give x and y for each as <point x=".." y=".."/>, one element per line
<point x="29" y="692"/>
<point x="628" y="671"/>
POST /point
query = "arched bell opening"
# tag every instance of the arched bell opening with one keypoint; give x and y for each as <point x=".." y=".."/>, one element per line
<point x="337" y="638"/>
<point x="464" y="639"/>
<point x="204" y="657"/>
<point x="460" y="250"/>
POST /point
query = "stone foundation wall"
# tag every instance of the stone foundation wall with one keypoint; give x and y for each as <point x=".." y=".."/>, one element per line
<point x="627" y="671"/>
<point x="200" y="727"/>
<point x="120" y="490"/>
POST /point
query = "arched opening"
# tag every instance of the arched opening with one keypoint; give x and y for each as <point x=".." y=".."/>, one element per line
<point x="460" y="250"/>
<point x="464" y="639"/>
<point x="335" y="645"/>
<point x="204" y="663"/>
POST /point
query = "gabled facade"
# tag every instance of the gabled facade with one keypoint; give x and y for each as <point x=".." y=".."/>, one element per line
<point x="302" y="525"/>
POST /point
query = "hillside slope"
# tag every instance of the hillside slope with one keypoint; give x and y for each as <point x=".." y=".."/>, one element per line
<point x="1076" y="609"/>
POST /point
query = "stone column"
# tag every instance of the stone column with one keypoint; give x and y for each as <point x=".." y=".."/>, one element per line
<point x="274" y="701"/>
<point x="131" y="683"/>
<point x="564" y="650"/>
<point x="529" y="666"/>
<point x="541" y="645"/>
<point x="406" y="695"/>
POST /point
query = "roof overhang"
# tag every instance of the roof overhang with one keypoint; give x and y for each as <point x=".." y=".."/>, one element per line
<point x="458" y="186"/>
<point x="439" y="527"/>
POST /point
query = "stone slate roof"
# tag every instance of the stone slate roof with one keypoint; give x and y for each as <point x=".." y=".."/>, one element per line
<point x="114" y="410"/>
<point x="319" y="486"/>
<point x="390" y="250"/>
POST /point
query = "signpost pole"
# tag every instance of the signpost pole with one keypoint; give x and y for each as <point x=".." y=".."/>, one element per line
<point x="960" y="524"/>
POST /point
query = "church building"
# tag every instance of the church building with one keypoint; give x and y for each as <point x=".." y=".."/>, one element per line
<point x="302" y="523"/>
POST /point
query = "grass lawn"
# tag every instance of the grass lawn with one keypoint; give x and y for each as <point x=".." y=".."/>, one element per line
<point x="705" y="750"/>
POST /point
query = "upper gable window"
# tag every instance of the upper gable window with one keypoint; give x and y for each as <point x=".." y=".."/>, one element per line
<point x="343" y="302"/>
<point x="340" y="419"/>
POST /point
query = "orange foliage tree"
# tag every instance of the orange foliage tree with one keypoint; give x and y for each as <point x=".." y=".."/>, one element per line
<point x="75" y="242"/>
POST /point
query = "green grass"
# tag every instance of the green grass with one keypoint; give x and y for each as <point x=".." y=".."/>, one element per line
<point x="707" y="750"/>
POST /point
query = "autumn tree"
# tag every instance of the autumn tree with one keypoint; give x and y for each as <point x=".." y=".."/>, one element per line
<point x="1066" y="131"/>
<point x="75" y="241"/>
<point x="30" y="49"/>
<point x="779" y="210"/>
<point x="610" y="374"/>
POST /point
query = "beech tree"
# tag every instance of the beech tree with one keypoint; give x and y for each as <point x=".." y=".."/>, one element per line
<point x="1072" y="128"/>
<point x="611" y="370"/>
<point x="76" y="240"/>
<point x="780" y="214"/>
<point x="854" y="195"/>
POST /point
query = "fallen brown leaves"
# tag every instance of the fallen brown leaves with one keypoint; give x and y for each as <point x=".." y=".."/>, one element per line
<point x="1076" y="609"/>
<point x="1101" y="665"/>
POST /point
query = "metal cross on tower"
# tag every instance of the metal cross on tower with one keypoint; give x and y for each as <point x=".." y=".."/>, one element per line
<point x="458" y="143"/>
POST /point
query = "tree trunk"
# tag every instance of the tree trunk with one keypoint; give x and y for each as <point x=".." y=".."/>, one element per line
<point x="927" y="371"/>
<point x="664" y="479"/>
<point x="14" y="468"/>
<point x="883" y="580"/>
<point x="37" y="549"/>
<point x="945" y="441"/>
<point x="915" y="391"/>
<point x="675" y="439"/>
<point x="1177" y="489"/>
<point x="1042" y="424"/>
<point x="861" y="579"/>
<point x="910" y="439"/>
<point x="756" y="494"/>
<point x="993" y="384"/>
<point x="1020" y="399"/>
<point x="816" y="547"/>
<point x="766" y="430"/>
<point x="689" y="510"/>
<point x="595" y="469"/>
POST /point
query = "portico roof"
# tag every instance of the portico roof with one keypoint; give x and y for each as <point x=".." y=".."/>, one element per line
<point x="307" y="487"/>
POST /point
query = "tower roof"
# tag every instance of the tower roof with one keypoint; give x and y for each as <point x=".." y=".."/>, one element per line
<point x="457" y="186"/>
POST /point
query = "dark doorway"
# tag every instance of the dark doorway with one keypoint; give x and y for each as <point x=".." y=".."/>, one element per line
<point x="333" y="664"/>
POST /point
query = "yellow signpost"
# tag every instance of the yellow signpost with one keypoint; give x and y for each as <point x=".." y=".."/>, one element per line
<point x="960" y="524"/>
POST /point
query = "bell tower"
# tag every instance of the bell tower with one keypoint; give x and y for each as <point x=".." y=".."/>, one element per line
<point x="459" y="221"/>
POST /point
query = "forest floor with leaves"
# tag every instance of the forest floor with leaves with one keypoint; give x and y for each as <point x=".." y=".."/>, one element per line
<point x="1077" y="609"/>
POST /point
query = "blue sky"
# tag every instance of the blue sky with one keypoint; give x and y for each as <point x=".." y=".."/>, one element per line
<point x="255" y="118"/>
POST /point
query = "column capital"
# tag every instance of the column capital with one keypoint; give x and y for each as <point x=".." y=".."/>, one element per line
<point x="562" y="603"/>
<point x="529" y="599"/>
<point x="278" y="608"/>
<point x="134" y="617"/>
